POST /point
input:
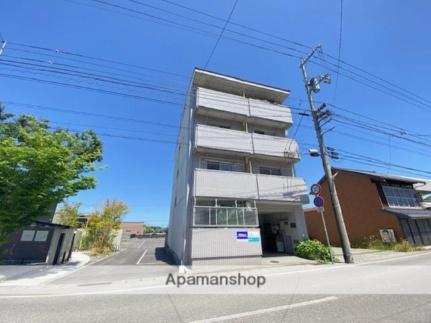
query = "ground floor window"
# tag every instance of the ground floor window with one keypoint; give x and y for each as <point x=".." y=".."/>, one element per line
<point x="225" y="213"/>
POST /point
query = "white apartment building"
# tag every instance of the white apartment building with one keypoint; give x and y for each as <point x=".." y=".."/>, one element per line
<point x="235" y="193"/>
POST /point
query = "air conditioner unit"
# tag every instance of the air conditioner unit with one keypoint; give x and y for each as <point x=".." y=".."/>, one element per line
<point x="388" y="235"/>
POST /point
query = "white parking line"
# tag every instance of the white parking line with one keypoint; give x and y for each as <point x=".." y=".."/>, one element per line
<point x="145" y="252"/>
<point x="140" y="246"/>
<point x="266" y="310"/>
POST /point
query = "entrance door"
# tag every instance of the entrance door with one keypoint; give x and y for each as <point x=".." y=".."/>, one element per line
<point x="268" y="238"/>
<point x="59" y="247"/>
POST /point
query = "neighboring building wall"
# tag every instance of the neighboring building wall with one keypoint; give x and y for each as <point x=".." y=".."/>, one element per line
<point x="178" y="219"/>
<point x="361" y="206"/>
<point x="136" y="228"/>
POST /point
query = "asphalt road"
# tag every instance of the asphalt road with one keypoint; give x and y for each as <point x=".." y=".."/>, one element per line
<point x="137" y="258"/>
<point x="138" y="252"/>
<point x="410" y="273"/>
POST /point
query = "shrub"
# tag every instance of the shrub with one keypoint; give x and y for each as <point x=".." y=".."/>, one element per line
<point x="405" y="246"/>
<point x="314" y="250"/>
<point x="373" y="242"/>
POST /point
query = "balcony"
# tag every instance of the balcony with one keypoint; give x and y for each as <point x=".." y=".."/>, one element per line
<point x="237" y="185"/>
<point x="279" y="147"/>
<point x="208" y="138"/>
<point x="219" y="104"/>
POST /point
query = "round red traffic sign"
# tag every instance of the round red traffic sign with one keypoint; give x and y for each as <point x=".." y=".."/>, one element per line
<point x="315" y="189"/>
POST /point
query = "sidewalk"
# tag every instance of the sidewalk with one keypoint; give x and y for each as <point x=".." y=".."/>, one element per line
<point x="33" y="275"/>
<point x="369" y="255"/>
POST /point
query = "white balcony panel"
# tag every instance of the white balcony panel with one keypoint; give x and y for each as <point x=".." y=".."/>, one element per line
<point x="223" y="139"/>
<point x="275" y="146"/>
<point x="221" y="101"/>
<point x="221" y="184"/>
<point x="265" y="110"/>
<point x="282" y="188"/>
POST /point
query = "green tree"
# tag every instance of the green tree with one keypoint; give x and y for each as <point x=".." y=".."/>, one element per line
<point x="68" y="214"/>
<point x="148" y="229"/>
<point x="39" y="167"/>
<point x="102" y="227"/>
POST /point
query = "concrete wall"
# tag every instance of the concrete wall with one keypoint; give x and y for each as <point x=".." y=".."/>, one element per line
<point x="129" y="228"/>
<point x="178" y="218"/>
<point x="361" y="206"/>
<point x="213" y="243"/>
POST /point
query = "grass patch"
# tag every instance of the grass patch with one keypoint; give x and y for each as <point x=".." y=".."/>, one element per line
<point x="377" y="244"/>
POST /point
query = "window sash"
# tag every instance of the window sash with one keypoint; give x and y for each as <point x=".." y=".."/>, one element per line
<point x="400" y="196"/>
<point x="222" y="165"/>
<point x="270" y="171"/>
<point x="225" y="216"/>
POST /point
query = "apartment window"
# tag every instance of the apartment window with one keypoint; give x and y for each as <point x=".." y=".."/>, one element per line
<point x="400" y="196"/>
<point x="226" y="214"/>
<point x="222" y="165"/>
<point x="264" y="132"/>
<point x="270" y="171"/>
<point x="218" y="125"/>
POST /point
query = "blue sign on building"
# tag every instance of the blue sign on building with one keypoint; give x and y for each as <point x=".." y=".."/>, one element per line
<point x="242" y="235"/>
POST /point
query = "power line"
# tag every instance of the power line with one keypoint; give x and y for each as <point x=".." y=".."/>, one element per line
<point x="92" y="76"/>
<point x="340" y="38"/>
<point x="221" y="33"/>
<point x="103" y="91"/>
<point x="237" y="24"/>
<point x="302" y="45"/>
<point x="70" y="53"/>
<point x="345" y="154"/>
<point x="372" y="160"/>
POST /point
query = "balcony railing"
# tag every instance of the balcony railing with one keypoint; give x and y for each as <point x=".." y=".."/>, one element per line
<point x="223" y="139"/>
<point x="225" y="184"/>
<point x="257" y="110"/>
<point x="225" y="216"/>
<point x="208" y="138"/>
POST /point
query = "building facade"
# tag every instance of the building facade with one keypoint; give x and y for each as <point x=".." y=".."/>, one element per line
<point x="235" y="192"/>
<point x="132" y="229"/>
<point x="379" y="205"/>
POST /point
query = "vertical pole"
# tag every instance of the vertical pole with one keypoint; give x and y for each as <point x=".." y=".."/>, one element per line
<point x="326" y="234"/>
<point x="344" y="239"/>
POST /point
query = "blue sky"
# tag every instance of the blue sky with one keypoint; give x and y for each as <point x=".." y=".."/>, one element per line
<point x="385" y="38"/>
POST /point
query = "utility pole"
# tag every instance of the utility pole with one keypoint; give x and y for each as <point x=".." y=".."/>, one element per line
<point x="311" y="86"/>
